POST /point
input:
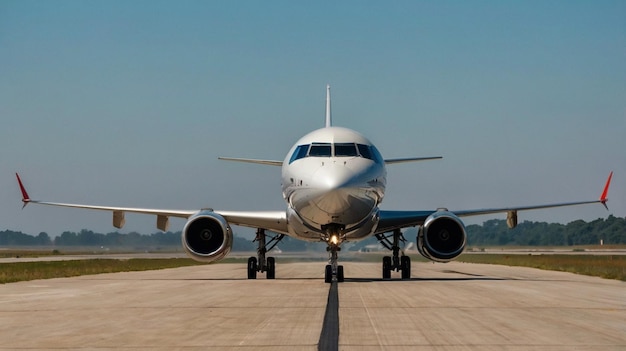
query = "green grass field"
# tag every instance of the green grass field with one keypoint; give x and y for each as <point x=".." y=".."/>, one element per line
<point x="605" y="266"/>
<point x="21" y="271"/>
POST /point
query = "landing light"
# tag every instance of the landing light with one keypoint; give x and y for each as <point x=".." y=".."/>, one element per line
<point x="334" y="239"/>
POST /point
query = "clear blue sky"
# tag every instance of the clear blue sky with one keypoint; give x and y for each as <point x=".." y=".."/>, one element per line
<point x="131" y="102"/>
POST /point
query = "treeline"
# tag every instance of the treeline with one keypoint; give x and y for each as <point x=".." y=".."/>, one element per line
<point x="495" y="232"/>
<point x="491" y="233"/>
<point x="88" y="238"/>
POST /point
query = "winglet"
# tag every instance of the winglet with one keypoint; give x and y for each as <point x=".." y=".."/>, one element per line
<point x="329" y="121"/>
<point x="25" y="197"/>
<point x="605" y="192"/>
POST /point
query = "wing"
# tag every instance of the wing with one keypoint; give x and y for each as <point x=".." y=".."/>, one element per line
<point x="391" y="161"/>
<point x="390" y="220"/>
<point x="275" y="221"/>
<point x="252" y="160"/>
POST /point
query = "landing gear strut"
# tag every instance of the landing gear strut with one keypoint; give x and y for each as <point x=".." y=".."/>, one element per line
<point x="260" y="263"/>
<point x="332" y="268"/>
<point x="396" y="262"/>
<point x="334" y="240"/>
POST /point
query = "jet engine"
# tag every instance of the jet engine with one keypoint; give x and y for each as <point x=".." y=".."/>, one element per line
<point x="442" y="237"/>
<point x="207" y="237"/>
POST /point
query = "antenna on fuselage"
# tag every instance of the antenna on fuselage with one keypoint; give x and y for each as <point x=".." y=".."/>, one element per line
<point x="329" y="121"/>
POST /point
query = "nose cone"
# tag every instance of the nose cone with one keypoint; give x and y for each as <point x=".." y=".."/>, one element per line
<point x="338" y="194"/>
<point x="333" y="177"/>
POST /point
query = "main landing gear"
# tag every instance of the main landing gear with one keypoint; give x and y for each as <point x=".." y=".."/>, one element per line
<point x="395" y="262"/>
<point x="260" y="263"/>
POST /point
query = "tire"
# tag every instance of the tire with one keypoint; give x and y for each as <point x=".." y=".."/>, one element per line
<point x="339" y="274"/>
<point x="252" y="267"/>
<point x="271" y="268"/>
<point x="386" y="267"/>
<point x="328" y="274"/>
<point x="405" y="265"/>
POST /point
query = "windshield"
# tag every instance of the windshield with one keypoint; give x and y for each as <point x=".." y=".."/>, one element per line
<point x="346" y="149"/>
<point x="338" y="150"/>
<point x="320" y="150"/>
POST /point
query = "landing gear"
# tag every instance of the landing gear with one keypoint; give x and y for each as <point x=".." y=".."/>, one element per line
<point x="328" y="274"/>
<point x="332" y="268"/>
<point x="260" y="263"/>
<point x="334" y="239"/>
<point x="271" y="268"/>
<point x="396" y="262"/>
<point x="252" y="268"/>
<point x="405" y="267"/>
<point x="386" y="267"/>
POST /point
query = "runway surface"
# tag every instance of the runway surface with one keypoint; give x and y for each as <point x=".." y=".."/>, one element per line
<point x="454" y="306"/>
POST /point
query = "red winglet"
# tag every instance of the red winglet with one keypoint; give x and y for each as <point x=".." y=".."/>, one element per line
<point x="25" y="197"/>
<point x="605" y="193"/>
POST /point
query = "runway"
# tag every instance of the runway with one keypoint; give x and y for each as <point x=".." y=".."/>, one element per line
<point x="454" y="306"/>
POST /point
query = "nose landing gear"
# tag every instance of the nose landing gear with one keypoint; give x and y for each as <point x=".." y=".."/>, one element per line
<point x="334" y="240"/>
<point x="332" y="268"/>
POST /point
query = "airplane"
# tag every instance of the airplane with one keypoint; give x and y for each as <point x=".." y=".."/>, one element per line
<point x="333" y="183"/>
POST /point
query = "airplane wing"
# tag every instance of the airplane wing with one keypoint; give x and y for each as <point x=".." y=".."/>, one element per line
<point x="391" y="161"/>
<point x="390" y="220"/>
<point x="275" y="221"/>
<point x="252" y="160"/>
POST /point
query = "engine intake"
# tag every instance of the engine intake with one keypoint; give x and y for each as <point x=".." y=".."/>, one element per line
<point x="207" y="237"/>
<point x="442" y="238"/>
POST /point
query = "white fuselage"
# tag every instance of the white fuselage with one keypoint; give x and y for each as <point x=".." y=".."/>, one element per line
<point x="333" y="180"/>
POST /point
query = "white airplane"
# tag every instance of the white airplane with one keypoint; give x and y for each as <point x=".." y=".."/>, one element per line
<point x="333" y="181"/>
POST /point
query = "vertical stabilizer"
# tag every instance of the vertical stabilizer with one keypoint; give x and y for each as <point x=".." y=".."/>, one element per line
<point x="329" y="121"/>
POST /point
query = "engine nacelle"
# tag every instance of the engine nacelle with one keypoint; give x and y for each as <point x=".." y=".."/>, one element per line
<point x="442" y="238"/>
<point x="207" y="237"/>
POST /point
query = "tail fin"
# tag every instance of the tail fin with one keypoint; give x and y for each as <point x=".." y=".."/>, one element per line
<point x="329" y="121"/>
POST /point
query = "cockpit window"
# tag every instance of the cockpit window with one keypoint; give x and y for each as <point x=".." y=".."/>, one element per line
<point x="320" y="150"/>
<point x="340" y="150"/>
<point x="300" y="152"/>
<point x="364" y="150"/>
<point x="345" y="150"/>
<point x="377" y="156"/>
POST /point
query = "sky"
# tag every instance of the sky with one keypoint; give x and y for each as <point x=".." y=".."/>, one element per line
<point x="129" y="103"/>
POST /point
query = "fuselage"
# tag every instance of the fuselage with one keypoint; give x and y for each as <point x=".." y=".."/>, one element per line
<point x="333" y="180"/>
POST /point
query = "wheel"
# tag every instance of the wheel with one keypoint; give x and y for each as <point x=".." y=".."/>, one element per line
<point x="328" y="274"/>
<point x="386" y="267"/>
<point x="339" y="274"/>
<point x="271" y="268"/>
<point x="405" y="266"/>
<point x="252" y="266"/>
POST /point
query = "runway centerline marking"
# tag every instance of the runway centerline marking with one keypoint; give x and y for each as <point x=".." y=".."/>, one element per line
<point x="329" y="337"/>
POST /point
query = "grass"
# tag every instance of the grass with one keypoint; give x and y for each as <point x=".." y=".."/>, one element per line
<point x="27" y="253"/>
<point x="21" y="271"/>
<point x="605" y="266"/>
